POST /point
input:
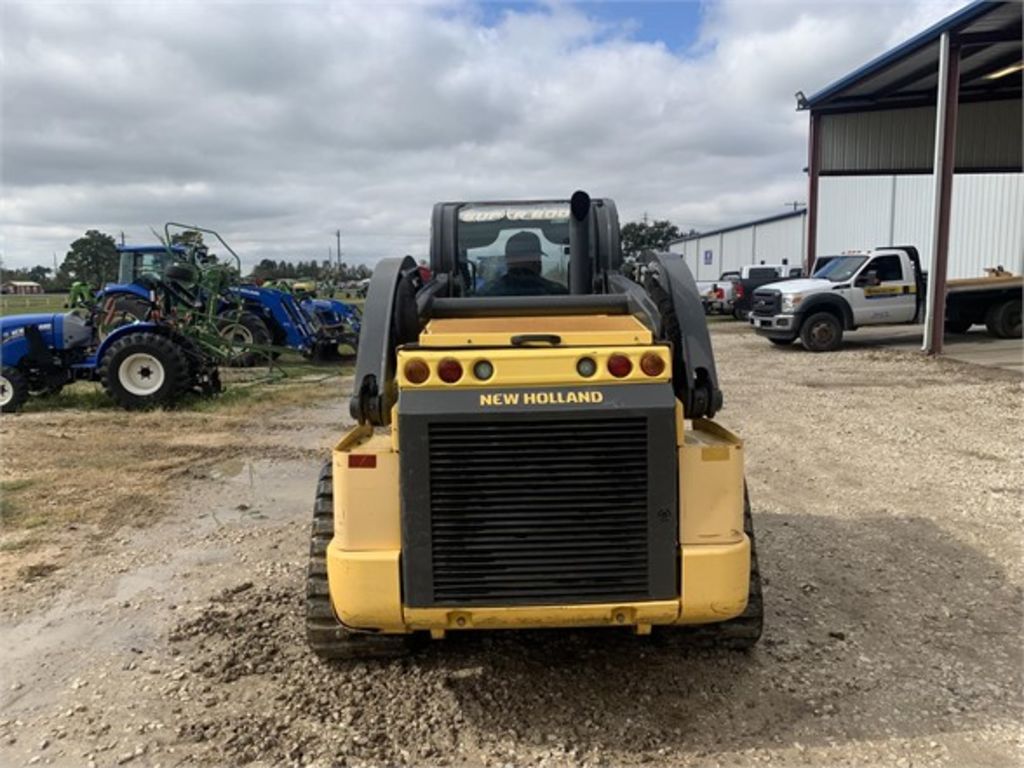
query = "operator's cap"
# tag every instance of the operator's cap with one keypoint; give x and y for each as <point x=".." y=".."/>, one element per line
<point x="523" y="246"/>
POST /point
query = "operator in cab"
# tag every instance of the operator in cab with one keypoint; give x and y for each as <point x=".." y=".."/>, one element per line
<point x="522" y="276"/>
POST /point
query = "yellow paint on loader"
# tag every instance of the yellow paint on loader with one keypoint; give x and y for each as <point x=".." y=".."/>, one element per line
<point x="363" y="560"/>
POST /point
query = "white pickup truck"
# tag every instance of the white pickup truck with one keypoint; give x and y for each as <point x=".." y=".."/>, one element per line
<point x="884" y="286"/>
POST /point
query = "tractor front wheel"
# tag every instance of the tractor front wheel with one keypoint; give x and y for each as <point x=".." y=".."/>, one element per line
<point x="144" y="370"/>
<point x="13" y="389"/>
<point x="245" y="331"/>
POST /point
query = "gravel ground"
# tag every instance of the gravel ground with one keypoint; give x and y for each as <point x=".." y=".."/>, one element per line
<point x="887" y="496"/>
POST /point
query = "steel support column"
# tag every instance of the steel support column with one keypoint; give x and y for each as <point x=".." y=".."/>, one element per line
<point x="813" y="168"/>
<point x="945" y="144"/>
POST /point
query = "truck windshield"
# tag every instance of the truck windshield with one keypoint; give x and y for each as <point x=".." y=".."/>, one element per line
<point x="838" y="269"/>
<point x="517" y="249"/>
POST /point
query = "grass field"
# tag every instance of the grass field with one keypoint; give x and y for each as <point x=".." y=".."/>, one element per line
<point x="25" y="305"/>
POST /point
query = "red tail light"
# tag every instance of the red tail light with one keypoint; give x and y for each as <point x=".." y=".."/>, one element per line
<point x="449" y="370"/>
<point x="619" y="366"/>
<point x="739" y="290"/>
<point x="719" y="294"/>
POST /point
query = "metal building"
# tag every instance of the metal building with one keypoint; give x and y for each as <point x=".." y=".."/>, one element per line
<point x="773" y="240"/>
<point x="923" y="146"/>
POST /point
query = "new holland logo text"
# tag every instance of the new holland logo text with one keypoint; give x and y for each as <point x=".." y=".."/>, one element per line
<point x="541" y="398"/>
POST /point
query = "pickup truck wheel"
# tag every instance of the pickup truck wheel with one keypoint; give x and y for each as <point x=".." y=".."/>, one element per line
<point x="740" y="314"/>
<point x="1003" y="320"/>
<point x="822" y="332"/>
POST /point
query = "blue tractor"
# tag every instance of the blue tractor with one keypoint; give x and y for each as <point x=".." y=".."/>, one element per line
<point x="140" y="365"/>
<point x="251" y="317"/>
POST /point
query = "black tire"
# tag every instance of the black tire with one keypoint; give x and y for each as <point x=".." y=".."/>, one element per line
<point x="740" y="633"/>
<point x="741" y="314"/>
<point x="123" y="309"/>
<point x="822" y="332"/>
<point x="13" y="389"/>
<point x="247" y="329"/>
<point x="144" y="370"/>
<point x="328" y="637"/>
<point x="780" y="342"/>
<point x="1003" y="320"/>
<point x="959" y="325"/>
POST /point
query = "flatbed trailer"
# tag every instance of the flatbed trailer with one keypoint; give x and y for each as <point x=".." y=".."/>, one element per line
<point x="992" y="301"/>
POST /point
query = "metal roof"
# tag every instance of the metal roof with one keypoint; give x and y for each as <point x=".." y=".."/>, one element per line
<point x="989" y="34"/>
<point x="744" y="225"/>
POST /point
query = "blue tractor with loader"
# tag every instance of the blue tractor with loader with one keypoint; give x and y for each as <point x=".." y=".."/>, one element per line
<point x="140" y="365"/>
<point x="255" y="318"/>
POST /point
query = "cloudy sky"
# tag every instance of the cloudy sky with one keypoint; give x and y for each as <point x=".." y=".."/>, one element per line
<point x="279" y="122"/>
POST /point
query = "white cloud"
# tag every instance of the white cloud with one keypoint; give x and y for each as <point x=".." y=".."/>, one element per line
<point x="278" y="123"/>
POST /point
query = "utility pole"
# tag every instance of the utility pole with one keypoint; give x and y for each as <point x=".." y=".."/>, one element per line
<point x="122" y="238"/>
<point x="338" y="251"/>
<point x="795" y="205"/>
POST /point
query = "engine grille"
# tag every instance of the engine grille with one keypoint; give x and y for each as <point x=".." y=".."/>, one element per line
<point x="539" y="511"/>
<point x="766" y="302"/>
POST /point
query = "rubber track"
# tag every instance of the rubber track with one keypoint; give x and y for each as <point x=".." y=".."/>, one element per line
<point x="328" y="637"/>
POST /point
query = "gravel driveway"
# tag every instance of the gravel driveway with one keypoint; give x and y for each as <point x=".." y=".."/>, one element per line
<point x="887" y="494"/>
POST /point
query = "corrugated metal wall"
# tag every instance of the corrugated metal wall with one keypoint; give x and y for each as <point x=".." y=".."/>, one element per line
<point x="986" y="227"/>
<point x="780" y="242"/>
<point x="774" y="242"/>
<point x="901" y="140"/>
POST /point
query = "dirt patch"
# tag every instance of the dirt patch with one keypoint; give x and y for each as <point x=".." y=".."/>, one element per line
<point x="70" y="477"/>
<point x="888" y="520"/>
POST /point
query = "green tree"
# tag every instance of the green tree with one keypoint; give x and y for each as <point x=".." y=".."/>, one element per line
<point x="187" y="237"/>
<point x="640" y="237"/>
<point x="93" y="258"/>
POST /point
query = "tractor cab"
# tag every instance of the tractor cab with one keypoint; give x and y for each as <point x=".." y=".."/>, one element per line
<point x="138" y="260"/>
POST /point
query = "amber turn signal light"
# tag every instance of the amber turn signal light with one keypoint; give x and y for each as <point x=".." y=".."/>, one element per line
<point x="652" y="364"/>
<point x="417" y="371"/>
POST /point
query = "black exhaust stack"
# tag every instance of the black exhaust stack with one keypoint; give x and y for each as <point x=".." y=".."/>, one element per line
<point x="581" y="268"/>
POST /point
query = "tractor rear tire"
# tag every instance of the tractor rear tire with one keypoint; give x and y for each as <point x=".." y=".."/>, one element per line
<point x="1004" y="320"/>
<point x="246" y="329"/>
<point x="822" y="332"/>
<point x="144" y="370"/>
<point x="740" y="633"/>
<point x="328" y="637"/>
<point x="13" y="389"/>
<point x="124" y="309"/>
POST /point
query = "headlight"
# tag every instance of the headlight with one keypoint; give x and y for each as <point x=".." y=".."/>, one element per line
<point x="790" y="303"/>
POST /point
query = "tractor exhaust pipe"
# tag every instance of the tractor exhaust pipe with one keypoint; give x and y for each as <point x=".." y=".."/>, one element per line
<point x="581" y="268"/>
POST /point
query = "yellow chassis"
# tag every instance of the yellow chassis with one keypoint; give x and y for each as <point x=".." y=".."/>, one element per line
<point x="363" y="559"/>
